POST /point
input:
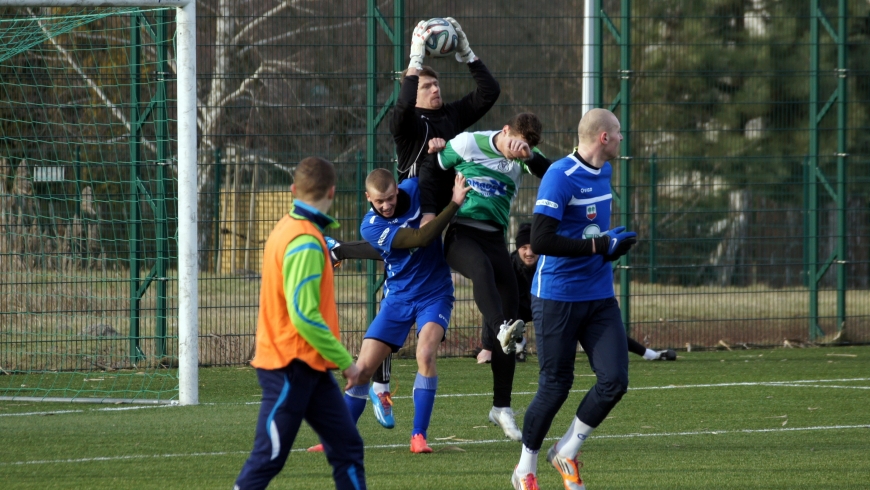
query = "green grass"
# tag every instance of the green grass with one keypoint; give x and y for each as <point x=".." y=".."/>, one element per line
<point x="784" y="418"/>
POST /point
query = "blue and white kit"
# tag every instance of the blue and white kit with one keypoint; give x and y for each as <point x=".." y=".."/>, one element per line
<point x="569" y="183"/>
<point x="418" y="287"/>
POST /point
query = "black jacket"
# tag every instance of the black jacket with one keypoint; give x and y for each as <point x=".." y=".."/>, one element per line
<point x="524" y="285"/>
<point x="412" y="128"/>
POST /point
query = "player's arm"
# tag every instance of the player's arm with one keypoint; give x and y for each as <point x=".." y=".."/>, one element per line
<point x="545" y="240"/>
<point x="302" y="271"/>
<point x="439" y="173"/>
<point x="474" y="105"/>
<point x="404" y="121"/>
<point x="538" y="164"/>
<point x="357" y="249"/>
<point x="433" y="183"/>
<point x="411" y="238"/>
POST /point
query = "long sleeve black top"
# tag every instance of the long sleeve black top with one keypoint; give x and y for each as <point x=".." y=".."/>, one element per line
<point x="413" y="127"/>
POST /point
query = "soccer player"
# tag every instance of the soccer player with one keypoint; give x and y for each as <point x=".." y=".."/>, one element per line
<point x="297" y="341"/>
<point x="418" y="289"/>
<point x="524" y="261"/>
<point x="419" y="116"/>
<point x="415" y="290"/>
<point x="573" y="299"/>
<point x="493" y="163"/>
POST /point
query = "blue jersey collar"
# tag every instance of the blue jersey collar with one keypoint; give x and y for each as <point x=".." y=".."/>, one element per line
<point x="312" y="214"/>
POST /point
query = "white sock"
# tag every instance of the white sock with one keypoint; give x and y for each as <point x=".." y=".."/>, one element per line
<point x="650" y="355"/>
<point x="521" y="346"/>
<point x="570" y="444"/>
<point x="528" y="462"/>
<point x="380" y="387"/>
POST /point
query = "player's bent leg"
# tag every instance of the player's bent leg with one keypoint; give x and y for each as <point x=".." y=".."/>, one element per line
<point x="371" y="354"/>
<point x="329" y="418"/>
<point x="555" y="325"/>
<point x="604" y="341"/>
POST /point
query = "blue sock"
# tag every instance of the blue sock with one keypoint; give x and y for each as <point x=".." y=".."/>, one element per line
<point x="355" y="399"/>
<point x="424" y="400"/>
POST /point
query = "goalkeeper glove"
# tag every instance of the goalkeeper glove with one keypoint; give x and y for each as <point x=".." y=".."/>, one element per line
<point x="464" y="54"/>
<point x="418" y="45"/>
<point x="618" y="243"/>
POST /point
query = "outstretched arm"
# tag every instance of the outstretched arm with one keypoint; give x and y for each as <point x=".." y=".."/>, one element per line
<point x="410" y="238"/>
<point x="476" y="104"/>
<point x="358" y="249"/>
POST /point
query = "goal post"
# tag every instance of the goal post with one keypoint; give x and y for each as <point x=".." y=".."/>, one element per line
<point x="98" y="201"/>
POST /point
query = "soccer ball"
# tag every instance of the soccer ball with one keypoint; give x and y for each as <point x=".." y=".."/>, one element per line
<point x="443" y="40"/>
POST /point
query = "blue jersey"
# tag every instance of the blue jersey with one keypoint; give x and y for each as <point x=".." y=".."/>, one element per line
<point x="579" y="197"/>
<point x="411" y="272"/>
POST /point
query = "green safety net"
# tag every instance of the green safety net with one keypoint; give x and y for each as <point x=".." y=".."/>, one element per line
<point x="87" y="205"/>
<point x="26" y="28"/>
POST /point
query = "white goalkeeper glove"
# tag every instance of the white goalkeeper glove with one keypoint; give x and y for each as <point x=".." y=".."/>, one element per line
<point x="418" y="45"/>
<point x="464" y="54"/>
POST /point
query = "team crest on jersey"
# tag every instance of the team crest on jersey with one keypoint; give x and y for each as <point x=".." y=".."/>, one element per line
<point x="591" y="212"/>
<point x="487" y="186"/>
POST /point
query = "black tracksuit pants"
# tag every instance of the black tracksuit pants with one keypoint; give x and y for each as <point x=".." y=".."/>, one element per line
<point x="483" y="257"/>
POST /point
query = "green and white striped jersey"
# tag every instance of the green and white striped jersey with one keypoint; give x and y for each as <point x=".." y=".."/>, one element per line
<point x="494" y="179"/>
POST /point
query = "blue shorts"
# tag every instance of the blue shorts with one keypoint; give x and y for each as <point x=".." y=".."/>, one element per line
<point x="394" y="320"/>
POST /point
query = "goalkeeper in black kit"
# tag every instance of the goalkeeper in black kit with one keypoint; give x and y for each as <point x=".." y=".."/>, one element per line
<point x="421" y="124"/>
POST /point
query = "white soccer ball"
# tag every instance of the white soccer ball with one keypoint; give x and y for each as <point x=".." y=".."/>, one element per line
<point x="443" y="40"/>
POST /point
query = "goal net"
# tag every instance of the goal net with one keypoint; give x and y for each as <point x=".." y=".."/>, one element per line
<point x="89" y="179"/>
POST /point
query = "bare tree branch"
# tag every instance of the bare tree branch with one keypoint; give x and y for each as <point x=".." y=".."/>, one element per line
<point x="115" y="110"/>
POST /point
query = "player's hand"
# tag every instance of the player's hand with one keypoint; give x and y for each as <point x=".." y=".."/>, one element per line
<point x="427" y="217"/>
<point x="437" y="144"/>
<point x="619" y="242"/>
<point x="464" y="54"/>
<point x="460" y="189"/>
<point x="418" y="45"/>
<point x="352" y="375"/>
<point x="519" y="150"/>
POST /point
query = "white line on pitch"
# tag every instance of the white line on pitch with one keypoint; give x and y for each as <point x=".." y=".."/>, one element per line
<point x="797" y="383"/>
<point x="793" y="384"/>
<point x="39" y="413"/>
<point x="445" y="443"/>
<point x="58" y="412"/>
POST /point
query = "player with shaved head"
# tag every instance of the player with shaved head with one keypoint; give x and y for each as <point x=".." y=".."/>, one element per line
<point x="573" y="298"/>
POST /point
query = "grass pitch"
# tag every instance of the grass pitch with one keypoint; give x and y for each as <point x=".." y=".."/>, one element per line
<point x="766" y="419"/>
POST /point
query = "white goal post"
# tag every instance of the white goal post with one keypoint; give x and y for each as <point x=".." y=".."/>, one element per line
<point x="188" y="349"/>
